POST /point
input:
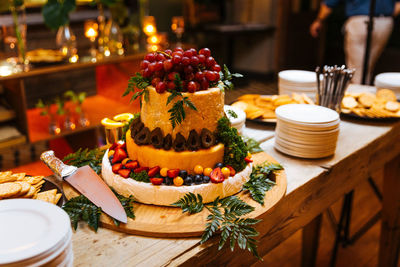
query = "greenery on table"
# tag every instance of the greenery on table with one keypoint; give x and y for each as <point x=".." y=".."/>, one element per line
<point x="225" y="215"/>
<point x="80" y="208"/>
<point x="76" y="98"/>
<point x="260" y="181"/>
<point x="190" y="203"/>
<point x="83" y="157"/>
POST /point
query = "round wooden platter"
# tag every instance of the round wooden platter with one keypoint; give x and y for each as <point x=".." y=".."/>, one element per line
<point x="159" y="221"/>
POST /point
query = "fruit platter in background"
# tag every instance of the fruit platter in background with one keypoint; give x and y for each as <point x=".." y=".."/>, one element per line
<point x="382" y="105"/>
<point x="180" y="154"/>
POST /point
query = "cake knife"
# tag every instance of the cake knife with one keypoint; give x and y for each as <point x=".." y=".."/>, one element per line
<point x="88" y="183"/>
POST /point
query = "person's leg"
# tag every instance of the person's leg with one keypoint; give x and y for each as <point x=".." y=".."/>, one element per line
<point x="382" y="29"/>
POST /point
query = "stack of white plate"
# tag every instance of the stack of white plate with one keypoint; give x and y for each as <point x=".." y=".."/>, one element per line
<point x="389" y="80"/>
<point x="306" y="131"/>
<point x="297" y="81"/>
<point x="34" y="233"/>
<point x="236" y="116"/>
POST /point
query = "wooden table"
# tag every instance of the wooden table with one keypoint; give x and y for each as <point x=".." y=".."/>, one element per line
<point x="313" y="185"/>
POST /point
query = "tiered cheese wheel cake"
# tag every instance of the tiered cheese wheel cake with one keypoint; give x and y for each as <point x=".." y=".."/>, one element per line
<point x="181" y="141"/>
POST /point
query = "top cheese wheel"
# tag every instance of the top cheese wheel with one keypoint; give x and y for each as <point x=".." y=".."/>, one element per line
<point x="209" y="104"/>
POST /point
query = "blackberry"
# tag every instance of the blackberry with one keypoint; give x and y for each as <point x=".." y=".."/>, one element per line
<point x="183" y="174"/>
<point x="188" y="180"/>
<point x="198" y="179"/>
<point x="219" y="165"/>
<point x="206" y="179"/>
<point x="168" y="181"/>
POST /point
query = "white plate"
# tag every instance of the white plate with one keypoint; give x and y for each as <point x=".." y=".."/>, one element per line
<point x="307" y="139"/>
<point x="306" y="114"/>
<point x="328" y="127"/>
<point x="302" y="153"/>
<point x="29" y="228"/>
<point x="298" y="76"/>
<point x="305" y="147"/>
<point x="391" y="79"/>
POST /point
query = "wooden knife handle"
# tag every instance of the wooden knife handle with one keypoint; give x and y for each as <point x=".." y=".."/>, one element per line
<point x="56" y="165"/>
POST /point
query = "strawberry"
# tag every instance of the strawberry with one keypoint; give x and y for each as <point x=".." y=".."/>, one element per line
<point x="119" y="155"/>
<point x="233" y="172"/>
<point x="248" y="160"/>
<point x="137" y="170"/>
<point x="132" y="164"/>
<point x="122" y="146"/>
<point x="216" y="176"/>
<point x="156" y="181"/>
<point x="153" y="171"/>
<point x="116" y="167"/>
<point x="113" y="146"/>
<point x="124" y="172"/>
<point x="173" y="173"/>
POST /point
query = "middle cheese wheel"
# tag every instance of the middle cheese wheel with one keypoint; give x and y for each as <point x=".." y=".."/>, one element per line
<point x="209" y="104"/>
<point x="148" y="156"/>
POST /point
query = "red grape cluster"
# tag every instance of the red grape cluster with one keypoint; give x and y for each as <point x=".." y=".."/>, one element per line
<point x="195" y="70"/>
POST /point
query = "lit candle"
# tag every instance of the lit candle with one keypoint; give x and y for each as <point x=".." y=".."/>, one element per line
<point x="149" y="25"/>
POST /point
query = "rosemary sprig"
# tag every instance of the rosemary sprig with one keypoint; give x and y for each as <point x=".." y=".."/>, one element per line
<point x="226" y="216"/>
<point x="260" y="181"/>
<point x="141" y="84"/>
<point x="190" y="203"/>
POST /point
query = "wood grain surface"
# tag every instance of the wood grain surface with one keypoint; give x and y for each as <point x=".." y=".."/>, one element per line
<point x="158" y="221"/>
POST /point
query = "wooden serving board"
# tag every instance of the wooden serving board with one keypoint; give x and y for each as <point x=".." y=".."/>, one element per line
<point x="159" y="221"/>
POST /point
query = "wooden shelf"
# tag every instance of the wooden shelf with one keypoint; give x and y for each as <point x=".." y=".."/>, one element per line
<point x="72" y="66"/>
<point x="96" y="107"/>
<point x="6" y="115"/>
<point x="13" y="141"/>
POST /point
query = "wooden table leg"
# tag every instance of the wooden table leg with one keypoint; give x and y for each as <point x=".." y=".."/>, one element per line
<point x="389" y="248"/>
<point x="310" y="242"/>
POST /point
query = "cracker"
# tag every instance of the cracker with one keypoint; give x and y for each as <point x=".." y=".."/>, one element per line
<point x="24" y="187"/>
<point x="33" y="179"/>
<point x="19" y="176"/>
<point x="6" y="177"/>
<point x="38" y="185"/>
<point x="386" y="94"/>
<point x="298" y="98"/>
<point x="30" y="193"/>
<point x="9" y="189"/>
<point x="47" y="196"/>
<point x="57" y="198"/>
<point x="366" y="99"/>
<point x="307" y="99"/>
<point x="240" y="104"/>
<point x="349" y="102"/>
<point x="392" y="106"/>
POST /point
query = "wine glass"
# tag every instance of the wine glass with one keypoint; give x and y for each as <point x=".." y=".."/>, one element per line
<point x="178" y="27"/>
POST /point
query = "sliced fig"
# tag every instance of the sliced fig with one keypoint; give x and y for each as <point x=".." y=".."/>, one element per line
<point x="136" y="128"/>
<point x="143" y="137"/>
<point x="167" y="143"/>
<point x="207" y="138"/>
<point x="179" y="143"/>
<point x="193" y="142"/>
<point x="156" y="138"/>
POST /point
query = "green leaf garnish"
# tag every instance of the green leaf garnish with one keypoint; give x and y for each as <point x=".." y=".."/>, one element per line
<point x="139" y="82"/>
<point x="190" y="203"/>
<point x="232" y="113"/>
<point x="260" y="181"/>
<point x="226" y="77"/>
<point x="127" y="204"/>
<point x="82" y="209"/>
<point x="140" y="177"/>
<point x="84" y="157"/>
<point x="252" y="145"/>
